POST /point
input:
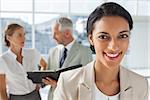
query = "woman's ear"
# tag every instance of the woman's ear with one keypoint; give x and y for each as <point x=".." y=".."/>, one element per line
<point x="90" y="37"/>
<point x="8" y="38"/>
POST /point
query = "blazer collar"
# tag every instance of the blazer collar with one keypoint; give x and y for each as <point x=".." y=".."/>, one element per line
<point x="57" y="56"/>
<point x="87" y="83"/>
<point x="71" y="54"/>
<point x="125" y="85"/>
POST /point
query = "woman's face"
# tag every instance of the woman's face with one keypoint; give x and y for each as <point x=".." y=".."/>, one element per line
<point x="17" y="39"/>
<point x="110" y="38"/>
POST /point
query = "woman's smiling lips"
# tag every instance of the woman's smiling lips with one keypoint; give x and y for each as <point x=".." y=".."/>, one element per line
<point x="112" y="56"/>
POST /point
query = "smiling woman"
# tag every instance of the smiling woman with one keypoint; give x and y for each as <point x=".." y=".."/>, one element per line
<point x="108" y="29"/>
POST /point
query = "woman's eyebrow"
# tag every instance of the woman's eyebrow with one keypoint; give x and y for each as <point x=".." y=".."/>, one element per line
<point x="103" y="32"/>
<point x="125" y="31"/>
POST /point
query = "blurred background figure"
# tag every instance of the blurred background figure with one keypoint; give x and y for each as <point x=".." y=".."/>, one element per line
<point x="67" y="49"/>
<point x="81" y="29"/>
<point x="16" y="61"/>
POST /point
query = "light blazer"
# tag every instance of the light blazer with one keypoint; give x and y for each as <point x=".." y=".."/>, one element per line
<point x="78" y="84"/>
<point x="78" y="54"/>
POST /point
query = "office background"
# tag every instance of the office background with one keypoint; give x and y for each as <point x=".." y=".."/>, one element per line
<point x="37" y="15"/>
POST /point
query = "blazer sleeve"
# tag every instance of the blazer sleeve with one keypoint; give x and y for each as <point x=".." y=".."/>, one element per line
<point x="148" y="92"/>
<point x="59" y="92"/>
<point x="52" y="58"/>
<point x="3" y="66"/>
<point x="48" y="62"/>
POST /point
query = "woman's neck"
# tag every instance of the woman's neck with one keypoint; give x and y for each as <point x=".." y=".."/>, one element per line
<point x="16" y="51"/>
<point x="107" y="79"/>
<point x="106" y="74"/>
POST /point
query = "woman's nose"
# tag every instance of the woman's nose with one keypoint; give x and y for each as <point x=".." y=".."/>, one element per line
<point x="113" y="45"/>
<point x="23" y="38"/>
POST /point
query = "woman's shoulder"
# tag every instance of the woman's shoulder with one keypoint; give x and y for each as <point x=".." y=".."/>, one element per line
<point x="73" y="73"/>
<point x="29" y="49"/>
<point x="2" y="58"/>
<point x="137" y="81"/>
<point x="3" y="64"/>
<point x="55" y="49"/>
<point x="132" y="74"/>
<point x="4" y="55"/>
<point x="78" y="74"/>
<point x="73" y="77"/>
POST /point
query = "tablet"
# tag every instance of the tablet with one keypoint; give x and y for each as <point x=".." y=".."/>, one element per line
<point x="37" y="76"/>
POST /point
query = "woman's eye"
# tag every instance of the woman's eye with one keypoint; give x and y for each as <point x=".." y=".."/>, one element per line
<point x="103" y="37"/>
<point x="21" y="35"/>
<point x="124" y="36"/>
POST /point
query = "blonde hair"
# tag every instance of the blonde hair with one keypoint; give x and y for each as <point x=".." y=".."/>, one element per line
<point x="9" y="31"/>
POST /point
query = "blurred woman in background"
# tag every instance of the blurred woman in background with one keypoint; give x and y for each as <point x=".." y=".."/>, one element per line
<point x="15" y="62"/>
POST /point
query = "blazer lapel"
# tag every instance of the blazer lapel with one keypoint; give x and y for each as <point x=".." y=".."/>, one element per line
<point x="56" y="57"/>
<point x="126" y="88"/>
<point x="86" y="84"/>
<point x="84" y="92"/>
<point x="71" y="54"/>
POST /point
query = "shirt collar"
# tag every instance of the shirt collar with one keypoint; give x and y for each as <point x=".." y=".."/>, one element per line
<point x="12" y="54"/>
<point x="70" y="45"/>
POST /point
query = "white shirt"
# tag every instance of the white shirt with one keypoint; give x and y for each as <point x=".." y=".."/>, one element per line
<point x="16" y="76"/>
<point x="101" y="96"/>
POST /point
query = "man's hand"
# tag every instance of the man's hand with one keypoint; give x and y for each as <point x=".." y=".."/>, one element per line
<point x="37" y="87"/>
<point x="49" y="81"/>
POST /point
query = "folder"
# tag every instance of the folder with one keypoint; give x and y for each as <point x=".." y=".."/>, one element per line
<point x="37" y="76"/>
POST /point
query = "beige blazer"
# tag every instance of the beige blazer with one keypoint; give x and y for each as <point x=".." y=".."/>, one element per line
<point x="78" y="84"/>
<point x="78" y="54"/>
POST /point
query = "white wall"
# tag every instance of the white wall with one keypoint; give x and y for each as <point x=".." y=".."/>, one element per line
<point x="149" y="42"/>
<point x="137" y="56"/>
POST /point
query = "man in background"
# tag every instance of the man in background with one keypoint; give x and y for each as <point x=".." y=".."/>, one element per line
<point x="67" y="53"/>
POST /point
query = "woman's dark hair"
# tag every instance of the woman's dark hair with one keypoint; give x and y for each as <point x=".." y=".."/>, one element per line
<point x="9" y="31"/>
<point x="107" y="9"/>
